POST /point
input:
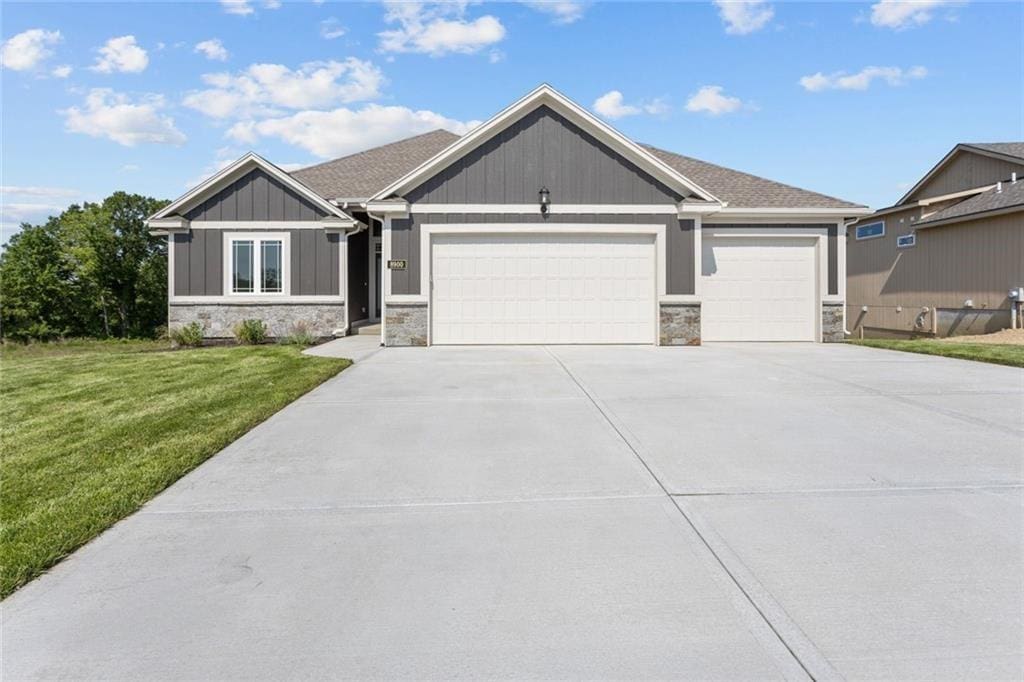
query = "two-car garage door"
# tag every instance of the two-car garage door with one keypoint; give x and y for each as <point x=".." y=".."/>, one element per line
<point x="543" y="288"/>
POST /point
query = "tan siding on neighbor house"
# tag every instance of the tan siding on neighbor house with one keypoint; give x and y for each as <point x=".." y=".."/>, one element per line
<point x="979" y="260"/>
<point x="966" y="171"/>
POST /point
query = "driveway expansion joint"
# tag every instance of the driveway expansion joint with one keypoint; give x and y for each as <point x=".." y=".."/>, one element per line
<point x="797" y="647"/>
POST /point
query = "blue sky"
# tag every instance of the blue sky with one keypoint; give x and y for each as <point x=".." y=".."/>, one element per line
<point x="856" y="100"/>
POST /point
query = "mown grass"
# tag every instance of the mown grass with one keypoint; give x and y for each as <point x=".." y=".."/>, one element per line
<point x="999" y="354"/>
<point x="89" y="431"/>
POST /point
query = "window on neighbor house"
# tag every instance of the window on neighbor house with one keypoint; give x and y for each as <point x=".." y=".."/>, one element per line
<point x="906" y="240"/>
<point x="871" y="230"/>
<point x="257" y="265"/>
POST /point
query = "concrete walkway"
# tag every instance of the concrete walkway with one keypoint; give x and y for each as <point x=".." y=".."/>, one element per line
<point x="724" y="512"/>
<point x="356" y="347"/>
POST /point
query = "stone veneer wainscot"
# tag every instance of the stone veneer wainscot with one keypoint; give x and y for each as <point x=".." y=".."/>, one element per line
<point x="219" y="319"/>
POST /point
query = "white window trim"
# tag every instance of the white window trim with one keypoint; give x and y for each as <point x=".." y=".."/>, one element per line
<point x="256" y="237"/>
<point x="858" y="228"/>
<point x="913" y="240"/>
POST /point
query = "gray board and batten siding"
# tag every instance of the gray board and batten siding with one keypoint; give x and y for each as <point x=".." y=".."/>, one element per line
<point x="542" y="149"/>
<point x="199" y="262"/>
<point x="256" y="196"/>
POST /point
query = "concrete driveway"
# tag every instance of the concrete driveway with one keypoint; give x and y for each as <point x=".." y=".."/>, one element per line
<point x="730" y="511"/>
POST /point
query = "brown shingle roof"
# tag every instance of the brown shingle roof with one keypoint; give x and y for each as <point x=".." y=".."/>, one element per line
<point x="362" y="175"/>
<point x="1012" y="195"/>
<point x="743" y="190"/>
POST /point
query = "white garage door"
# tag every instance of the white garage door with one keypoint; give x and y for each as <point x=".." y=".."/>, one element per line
<point x="540" y="288"/>
<point x="758" y="289"/>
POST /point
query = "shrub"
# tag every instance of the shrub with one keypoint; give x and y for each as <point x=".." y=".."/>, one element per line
<point x="250" y="332"/>
<point x="299" y="335"/>
<point x="189" y="335"/>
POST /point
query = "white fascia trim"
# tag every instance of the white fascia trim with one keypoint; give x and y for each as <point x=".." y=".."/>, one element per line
<point x="164" y="226"/>
<point x="689" y="209"/>
<point x="275" y="225"/>
<point x="427" y="230"/>
<point x="553" y="209"/>
<point x="545" y="94"/>
<point x="233" y="172"/>
<point x="250" y="299"/>
<point x="397" y="209"/>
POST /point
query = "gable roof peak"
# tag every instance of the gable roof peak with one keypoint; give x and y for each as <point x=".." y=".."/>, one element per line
<point x="545" y="94"/>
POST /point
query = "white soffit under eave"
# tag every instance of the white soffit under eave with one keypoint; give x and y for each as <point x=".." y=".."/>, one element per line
<point x="545" y="94"/>
<point x="236" y="170"/>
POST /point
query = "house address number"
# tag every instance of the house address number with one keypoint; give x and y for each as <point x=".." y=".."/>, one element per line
<point x="397" y="264"/>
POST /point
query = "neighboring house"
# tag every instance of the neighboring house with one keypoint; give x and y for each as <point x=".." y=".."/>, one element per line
<point x="944" y="258"/>
<point x="542" y="225"/>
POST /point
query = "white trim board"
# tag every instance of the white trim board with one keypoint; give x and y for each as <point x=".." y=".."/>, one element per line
<point x="553" y="209"/>
<point x="328" y="225"/>
<point x="254" y="299"/>
<point x="545" y="95"/>
<point x="236" y="170"/>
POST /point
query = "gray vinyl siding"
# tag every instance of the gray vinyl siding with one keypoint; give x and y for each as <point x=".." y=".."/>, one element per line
<point x="405" y="242"/>
<point x="833" y="247"/>
<point x="543" y="149"/>
<point x="199" y="263"/>
<point x="256" y="196"/>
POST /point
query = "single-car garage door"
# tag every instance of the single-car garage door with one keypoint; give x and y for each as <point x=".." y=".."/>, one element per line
<point x="758" y="289"/>
<point x="542" y="288"/>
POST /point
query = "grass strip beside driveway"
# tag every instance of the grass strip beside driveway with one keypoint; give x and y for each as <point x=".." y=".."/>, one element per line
<point x="88" y="434"/>
<point x="999" y="354"/>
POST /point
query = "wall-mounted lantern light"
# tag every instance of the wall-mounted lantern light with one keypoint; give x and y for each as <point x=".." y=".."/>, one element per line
<point x="545" y="199"/>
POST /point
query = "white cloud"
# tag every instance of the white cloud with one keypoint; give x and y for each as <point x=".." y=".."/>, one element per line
<point x="62" y="71"/>
<point x="238" y="7"/>
<point x="116" y="117"/>
<point x="840" y="80"/>
<point x="121" y="54"/>
<point x="51" y="193"/>
<point x="28" y="49"/>
<point x="331" y="28"/>
<point x="266" y="89"/>
<point x="901" y="14"/>
<point x="243" y="8"/>
<point x="212" y="49"/>
<point x="131" y="168"/>
<point x="709" y="99"/>
<point x="744" y="16"/>
<point x="437" y="29"/>
<point x="612" y="105"/>
<point x="329" y="134"/>
<point x="561" y="11"/>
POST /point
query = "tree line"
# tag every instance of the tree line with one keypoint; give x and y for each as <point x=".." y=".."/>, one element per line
<point x="92" y="271"/>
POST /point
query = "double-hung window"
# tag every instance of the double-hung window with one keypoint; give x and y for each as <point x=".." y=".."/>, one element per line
<point x="256" y="264"/>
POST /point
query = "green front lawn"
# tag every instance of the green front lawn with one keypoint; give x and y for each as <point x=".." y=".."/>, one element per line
<point x="90" y="431"/>
<point x="1000" y="354"/>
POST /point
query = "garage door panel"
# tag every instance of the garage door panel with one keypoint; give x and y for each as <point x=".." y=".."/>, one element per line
<point x="530" y="288"/>
<point x="758" y="289"/>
